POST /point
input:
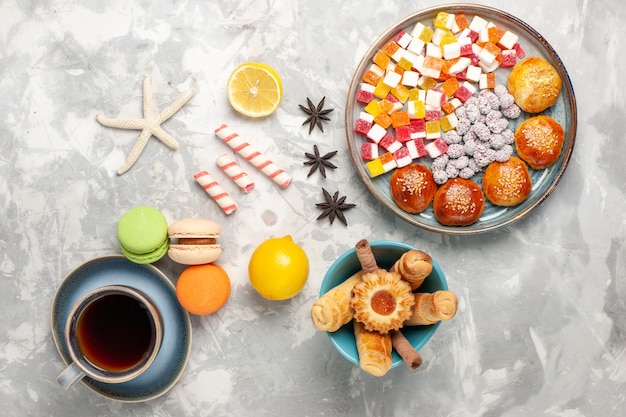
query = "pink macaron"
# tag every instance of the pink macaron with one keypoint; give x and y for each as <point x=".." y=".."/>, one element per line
<point x="193" y="241"/>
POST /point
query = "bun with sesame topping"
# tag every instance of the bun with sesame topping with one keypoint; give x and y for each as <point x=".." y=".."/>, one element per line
<point x="507" y="183"/>
<point x="535" y="84"/>
<point x="413" y="188"/>
<point x="539" y="141"/>
<point x="458" y="202"/>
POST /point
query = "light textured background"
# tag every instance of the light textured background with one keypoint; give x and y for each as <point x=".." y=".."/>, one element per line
<point x="542" y="316"/>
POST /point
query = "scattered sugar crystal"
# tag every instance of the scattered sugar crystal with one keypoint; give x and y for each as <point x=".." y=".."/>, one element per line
<point x="455" y="151"/>
<point x="482" y="131"/>
<point x="472" y="113"/>
<point x="439" y="163"/>
<point x="467" y="173"/>
<point x="499" y="90"/>
<point x="503" y="154"/>
<point x="512" y="112"/>
<point x="509" y="136"/>
<point x="452" y="136"/>
<point x="440" y="177"/>
<point x="452" y="171"/>
<point x="461" y="162"/>
<point x="474" y="166"/>
<point x="469" y="146"/>
<point x="483" y="105"/>
<point x="506" y="100"/>
<point x="498" y="126"/>
<point x="496" y="141"/>
<point x="484" y="155"/>
<point x="463" y="126"/>
<point x="492" y="116"/>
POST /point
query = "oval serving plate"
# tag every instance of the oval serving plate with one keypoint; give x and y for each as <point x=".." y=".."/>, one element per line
<point x="544" y="181"/>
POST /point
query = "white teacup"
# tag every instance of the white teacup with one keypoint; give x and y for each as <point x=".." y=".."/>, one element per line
<point x="113" y="334"/>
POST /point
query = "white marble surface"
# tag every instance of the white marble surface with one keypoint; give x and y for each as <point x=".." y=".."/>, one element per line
<point x="542" y="315"/>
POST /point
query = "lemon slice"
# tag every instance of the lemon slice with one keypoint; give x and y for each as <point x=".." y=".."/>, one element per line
<point x="254" y="89"/>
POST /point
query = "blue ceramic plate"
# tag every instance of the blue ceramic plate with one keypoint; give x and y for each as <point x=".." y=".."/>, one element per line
<point x="386" y="254"/>
<point x="544" y="181"/>
<point x="172" y="359"/>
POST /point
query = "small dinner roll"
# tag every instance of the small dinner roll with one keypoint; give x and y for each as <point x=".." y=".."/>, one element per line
<point x="507" y="183"/>
<point x="539" y="141"/>
<point x="458" y="202"/>
<point x="535" y="84"/>
<point x="413" y="188"/>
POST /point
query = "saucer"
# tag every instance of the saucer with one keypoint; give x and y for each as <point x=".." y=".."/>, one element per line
<point x="171" y="361"/>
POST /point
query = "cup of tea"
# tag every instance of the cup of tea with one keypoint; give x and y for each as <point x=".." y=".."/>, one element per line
<point x="113" y="334"/>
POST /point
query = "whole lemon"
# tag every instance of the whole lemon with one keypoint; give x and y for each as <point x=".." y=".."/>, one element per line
<point x="278" y="268"/>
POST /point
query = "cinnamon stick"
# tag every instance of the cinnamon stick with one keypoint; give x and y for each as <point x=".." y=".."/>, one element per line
<point x="406" y="351"/>
<point x="366" y="256"/>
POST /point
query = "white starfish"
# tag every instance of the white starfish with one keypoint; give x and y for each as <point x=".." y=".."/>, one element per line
<point x="150" y="125"/>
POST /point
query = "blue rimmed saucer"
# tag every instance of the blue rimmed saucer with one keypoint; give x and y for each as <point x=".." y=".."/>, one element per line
<point x="172" y="359"/>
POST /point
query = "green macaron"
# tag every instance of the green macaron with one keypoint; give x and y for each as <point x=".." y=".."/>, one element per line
<point x="142" y="232"/>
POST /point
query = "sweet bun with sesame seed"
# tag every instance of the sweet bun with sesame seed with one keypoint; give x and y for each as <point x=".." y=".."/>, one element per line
<point x="535" y="84"/>
<point x="413" y="188"/>
<point x="458" y="202"/>
<point x="539" y="141"/>
<point x="507" y="183"/>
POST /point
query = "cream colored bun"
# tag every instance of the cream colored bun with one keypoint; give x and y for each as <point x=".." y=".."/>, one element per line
<point x="535" y="84"/>
<point x="539" y="141"/>
<point x="507" y="183"/>
<point x="194" y="241"/>
<point x="458" y="202"/>
<point x="413" y="188"/>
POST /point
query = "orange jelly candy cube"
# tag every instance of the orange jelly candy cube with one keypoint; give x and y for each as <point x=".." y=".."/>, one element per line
<point x="381" y="59"/>
<point x="383" y="120"/>
<point x="433" y="62"/>
<point x="494" y="34"/>
<point x="450" y="86"/>
<point x="386" y="106"/>
<point x="461" y="21"/>
<point x="400" y="118"/>
<point x="390" y="48"/>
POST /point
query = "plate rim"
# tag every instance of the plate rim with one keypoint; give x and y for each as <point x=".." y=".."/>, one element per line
<point x="461" y="230"/>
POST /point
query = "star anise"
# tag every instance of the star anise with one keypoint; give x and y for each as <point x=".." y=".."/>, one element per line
<point x="333" y="206"/>
<point x="317" y="114"/>
<point x="316" y="161"/>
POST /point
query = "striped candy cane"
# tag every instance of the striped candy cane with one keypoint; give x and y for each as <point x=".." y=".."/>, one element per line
<point x="256" y="158"/>
<point x="235" y="173"/>
<point x="215" y="190"/>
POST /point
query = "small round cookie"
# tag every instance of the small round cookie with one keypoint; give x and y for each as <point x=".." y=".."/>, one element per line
<point x="413" y="188"/>
<point x="142" y="233"/>
<point x="458" y="202"/>
<point x="203" y="289"/>
<point x="539" y="141"/>
<point x="535" y="84"/>
<point x="193" y="241"/>
<point x="507" y="183"/>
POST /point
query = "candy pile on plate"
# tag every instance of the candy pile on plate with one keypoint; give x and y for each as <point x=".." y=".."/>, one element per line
<point x="419" y="78"/>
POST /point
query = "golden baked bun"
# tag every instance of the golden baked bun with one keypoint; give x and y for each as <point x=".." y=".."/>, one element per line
<point x="539" y="141"/>
<point x="507" y="183"/>
<point x="413" y="188"/>
<point x="458" y="202"/>
<point x="535" y="84"/>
